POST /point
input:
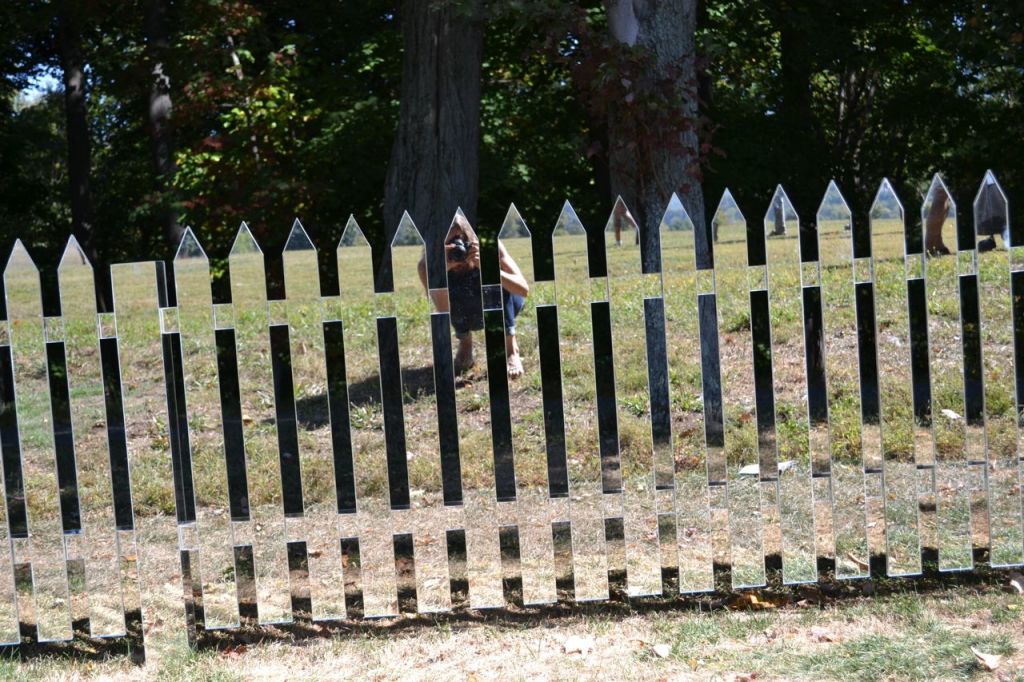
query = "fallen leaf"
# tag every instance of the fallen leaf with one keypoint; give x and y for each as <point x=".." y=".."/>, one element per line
<point x="862" y="565"/>
<point x="950" y="414"/>
<point x="987" y="661"/>
<point x="662" y="650"/>
<point x="575" y="644"/>
<point x="246" y="419"/>
<point x="315" y="553"/>
<point x="234" y="651"/>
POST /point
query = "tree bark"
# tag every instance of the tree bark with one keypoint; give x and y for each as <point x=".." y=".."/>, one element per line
<point x="803" y="158"/>
<point x="644" y="170"/>
<point x="72" y="61"/>
<point x="160" y="133"/>
<point x="434" y="166"/>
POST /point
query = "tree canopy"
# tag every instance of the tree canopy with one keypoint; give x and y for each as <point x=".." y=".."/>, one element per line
<point x="282" y="110"/>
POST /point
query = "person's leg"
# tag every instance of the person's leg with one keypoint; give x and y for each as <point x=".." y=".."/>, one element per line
<point x="513" y="304"/>
<point x="464" y="353"/>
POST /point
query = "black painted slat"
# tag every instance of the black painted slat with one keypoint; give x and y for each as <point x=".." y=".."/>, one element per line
<point x="63" y="437"/>
<point x="116" y="438"/>
<point x="604" y="376"/>
<point x="447" y="417"/>
<point x="551" y="391"/>
<point x="337" y="401"/>
<point x="287" y="428"/>
<point x="501" y="413"/>
<point x="10" y="444"/>
<point x="231" y="409"/>
<point x="394" y="419"/>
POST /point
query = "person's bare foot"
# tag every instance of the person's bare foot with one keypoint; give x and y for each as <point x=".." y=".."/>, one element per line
<point x="515" y="366"/>
<point x="464" y="355"/>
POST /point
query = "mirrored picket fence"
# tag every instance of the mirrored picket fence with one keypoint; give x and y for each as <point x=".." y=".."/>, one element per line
<point x="782" y="402"/>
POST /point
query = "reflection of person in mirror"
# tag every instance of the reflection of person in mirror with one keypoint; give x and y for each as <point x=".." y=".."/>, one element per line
<point x="990" y="217"/>
<point x="937" y="212"/>
<point x="621" y="216"/>
<point x="462" y="298"/>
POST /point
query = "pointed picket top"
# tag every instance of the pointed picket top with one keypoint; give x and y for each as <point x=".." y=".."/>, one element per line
<point x="407" y="234"/>
<point x="355" y="268"/>
<point x="620" y="210"/>
<point x="622" y="233"/>
<point x="780" y="214"/>
<point x="936" y="190"/>
<point x="244" y="243"/>
<point x="568" y="222"/>
<point x="991" y="209"/>
<point x="452" y="233"/>
<point x="675" y="218"/>
<point x="189" y="247"/>
<point x="73" y="256"/>
<point x="513" y="226"/>
<point x="833" y="205"/>
<point x="887" y="205"/>
<point x="728" y="211"/>
<point x="21" y="284"/>
<point x="298" y="239"/>
<point x="834" y="228"/>
<point x="20" y="260"/>
<point x="937" y="208"/>
<point x="352" y="235"/>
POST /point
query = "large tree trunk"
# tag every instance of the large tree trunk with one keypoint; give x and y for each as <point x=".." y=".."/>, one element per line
<point x="434" y="167"/>
<point x="650" y="160"/>
<point x="160" y="133"/>
<point x="72" y="61"/>
<point x="802" y="155"/>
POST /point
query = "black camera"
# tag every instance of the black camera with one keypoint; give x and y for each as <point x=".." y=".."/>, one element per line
<point x="459" y="251"/>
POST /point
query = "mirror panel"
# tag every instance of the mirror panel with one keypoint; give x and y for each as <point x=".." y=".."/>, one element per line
<point x="992" y="221"/>
<point x="146" y="419"/>
<point x="535" y="507"/>
<point x="38" y="452"/>
<point x="632" y="319"/>
<point x="738" y="461"/>
<point x="574" y="295"/>
<point x="259" y="429"/>
<point x="216" y="556"/>
<point x="426" y="518"/>
<point x="473" y="402"/>
<point x="685" y="464"/>
<point x="956" y="438"/>
<point x="836" y="441"/>
<point x="900" y="430"/>
<point x="92" y="455"/>
<point x="788" y="461"/>
<point x="359" y="312"/>
<point x="319" y="524"/>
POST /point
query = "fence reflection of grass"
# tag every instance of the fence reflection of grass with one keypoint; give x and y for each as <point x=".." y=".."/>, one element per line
<point x="845" y="442"/>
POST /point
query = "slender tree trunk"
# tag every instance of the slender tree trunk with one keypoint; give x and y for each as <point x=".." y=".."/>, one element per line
<point x="72" y="61"/>
<point x="434" y="166"/>
<point x="645" y="170"/>
<point x="160" y="132"/>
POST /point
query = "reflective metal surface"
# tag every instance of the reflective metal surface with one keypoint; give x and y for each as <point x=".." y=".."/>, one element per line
<point x="575" y="295"/>
<point x="895" y="269"/>
<point x="92" y="456"/>
<point x="737" y="460"/>
<point x="840" y="450"/>
<point x="146" y="422"/>
<point x="264" y="527"/>
<point x="38" y="453"/>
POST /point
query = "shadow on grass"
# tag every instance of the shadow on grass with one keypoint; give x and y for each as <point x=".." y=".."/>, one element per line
<point x="515" y="615"/>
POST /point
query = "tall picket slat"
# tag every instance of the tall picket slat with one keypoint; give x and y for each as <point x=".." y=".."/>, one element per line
<point x="265" y="528"/>
<point x="38" y="453"/>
